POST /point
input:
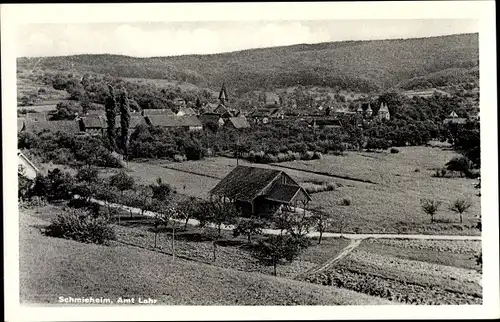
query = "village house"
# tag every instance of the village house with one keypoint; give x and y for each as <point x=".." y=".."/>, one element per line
<point x="237" y="123"/>
<point x="328" y="123"/>
<point x="179" y="103"/>
<point x="454" y="119"/>
<point x="211" y="118"/>
<point x="29" y="170"/>
<point x="270" y="99"/>
<point x="260" y="191"/>
<point x="93" y="125"/>
<point x="266" y="115"/>
<point x="185" y="111"/>
<point x="383" y="112"/>
<point x="188" y="122"/>
<point x="64" y="126"/>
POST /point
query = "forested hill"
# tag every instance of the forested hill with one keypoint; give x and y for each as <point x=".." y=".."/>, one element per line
<point x="352" y="65"/>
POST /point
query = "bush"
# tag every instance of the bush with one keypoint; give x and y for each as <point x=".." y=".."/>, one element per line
<point x="346" y="201"/>
<point x="81" y="226"/>
<point x="394" y="150"/>
<point x="317" y="155"/>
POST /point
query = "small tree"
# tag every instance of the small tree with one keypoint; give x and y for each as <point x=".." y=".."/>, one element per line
<point x="278" y="249"/>
<point x="122" y="181"/>
<point x="90" y="175"/>
<point x="342" y="221"/>
<point x="161" y="191"/>
<point x="186" y="210"/>
<point x="323" y="220"/>
<point x="163" y="213"/>
<point x="124" y="121"/>
<point x="459" y="164"/>
<point x="249" y="228"/>
<point x="460" y="206"/>
<point x="281" y="219"/>
<point x="430" y="207"/>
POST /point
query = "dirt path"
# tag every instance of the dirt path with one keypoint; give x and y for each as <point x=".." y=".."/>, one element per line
<point x="349" y="248"/>
<point x="195" y="222"/>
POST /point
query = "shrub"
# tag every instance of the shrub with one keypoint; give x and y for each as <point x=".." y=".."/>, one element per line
<point x="82" y="226"/>
<point x="346" y="201"/>
<point x="394" y="150"/>
<point x="430" y="207"/>
<point x="459" y="164"/>
<point x="317" y="155"/>
<point x="417" y="170"/>
<point x="443" y="172"/>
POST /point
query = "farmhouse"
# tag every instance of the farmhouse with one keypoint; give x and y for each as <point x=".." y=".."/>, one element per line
<point x="92" y="124"/>
<point x="239" y="122"/>
<point x="179" y="103"/>
<point x="28" y="168"/>
<point x="189" y="122"/>
<point x="259" y="191"/>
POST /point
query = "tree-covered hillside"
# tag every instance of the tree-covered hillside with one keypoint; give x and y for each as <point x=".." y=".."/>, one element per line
<point x="360" y="66"/>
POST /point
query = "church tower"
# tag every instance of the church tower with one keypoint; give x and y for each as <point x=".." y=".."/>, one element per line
<point x="223" y="95"/>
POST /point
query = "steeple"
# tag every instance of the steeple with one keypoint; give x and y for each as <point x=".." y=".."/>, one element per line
<point x="223" y="94"/>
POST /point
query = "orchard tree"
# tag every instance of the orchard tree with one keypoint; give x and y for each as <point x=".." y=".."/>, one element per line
<point x="161" y="190"/>
<point x="430" y="207"/>
<point x="249" y="227"/>
<point x="186" y="209"/>
<point x="460" y="206"/>
<point x="122" y="181"/>
<point x="110" y="106"/>
<point x="322" y="220"/>
<point x="277" y="249"/>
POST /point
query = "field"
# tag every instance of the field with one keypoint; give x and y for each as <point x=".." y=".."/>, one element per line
<point x="51" y="267"/>
<point x="391" y="205"/>
<point x="401" y="271"/>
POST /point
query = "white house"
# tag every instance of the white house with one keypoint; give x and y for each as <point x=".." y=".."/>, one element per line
<point x="29" y="169"/>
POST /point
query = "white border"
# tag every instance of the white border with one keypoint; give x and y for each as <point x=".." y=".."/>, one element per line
<point x="12" y="15"/>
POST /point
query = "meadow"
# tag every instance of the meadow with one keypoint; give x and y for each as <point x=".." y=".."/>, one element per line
<point x="391" y="205"/>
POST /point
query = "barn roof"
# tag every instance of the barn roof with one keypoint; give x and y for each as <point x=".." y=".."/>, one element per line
<point x="173" y="121"/>
<point x="245" y="183"/>
<point x="93" y="122"/>
<point x="159" y="111"/>
<point x="239" y="122"/>
<point x="187" y="111"/>
<point x="53" y="126"/>
<point x="283" y="193"/>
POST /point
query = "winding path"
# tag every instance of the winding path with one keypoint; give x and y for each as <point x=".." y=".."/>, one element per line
<point x="195" y="222"/>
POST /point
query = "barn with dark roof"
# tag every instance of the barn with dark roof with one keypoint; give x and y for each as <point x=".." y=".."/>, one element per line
<point x="260" y="191"/>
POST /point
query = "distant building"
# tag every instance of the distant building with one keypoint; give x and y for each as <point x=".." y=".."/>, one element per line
<point x="260" y="191"/>
<point x="265" y="115"/>
<point x="383" y="112"/>
<point x="29" y="170"/>
<point x="185" y="111"/>
<point x="92" y="124"/>
<point x="63" y="126"/>
<point x="223" y="98"/>
<point x="454" y="119"/>
<point x="189" y="122"/>
<point x="326" y="123"/>
<point x="36" y="117"/>
<point x="270" y="99"/>
<point x="239" y="122"/>
<point x="211" y="118"/>
<point x="179" y="103"/>
<point x="369" y="111"/>
<point x="163" y="111"/>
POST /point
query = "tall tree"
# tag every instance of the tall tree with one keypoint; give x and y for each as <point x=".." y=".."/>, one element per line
<point x="110" y="106"/>
<point x="124" y="121"/>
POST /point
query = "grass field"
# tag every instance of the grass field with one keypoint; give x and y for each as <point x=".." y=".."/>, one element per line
<point x="52" y="267"/>
<point x="392" y="205"/>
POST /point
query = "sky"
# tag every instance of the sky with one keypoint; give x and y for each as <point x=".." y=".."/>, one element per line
<point x="205" y="37"/>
